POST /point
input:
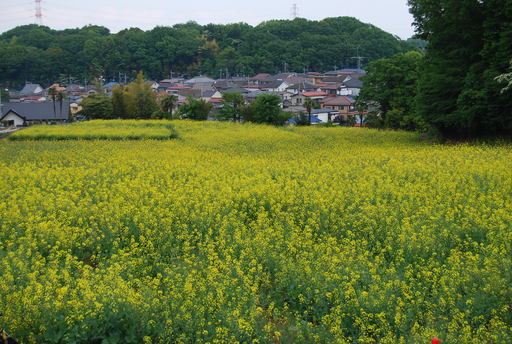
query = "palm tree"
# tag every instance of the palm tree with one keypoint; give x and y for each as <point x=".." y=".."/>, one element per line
<point x="52" y="92"/>
<point x="167" y="103"/>
<point x="309" y="104"/>
<point x="60" y="98"/>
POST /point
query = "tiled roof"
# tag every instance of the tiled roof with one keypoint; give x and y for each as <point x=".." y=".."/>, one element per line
<point x="338" y="101"/>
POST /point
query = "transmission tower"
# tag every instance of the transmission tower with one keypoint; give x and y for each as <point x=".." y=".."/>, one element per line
<point x="295" y="11"/>
<point x="359" y="59"/>
<point x="39" y="12"/>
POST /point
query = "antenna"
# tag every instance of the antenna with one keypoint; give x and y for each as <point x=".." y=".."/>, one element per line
<point x="39" y="12"/>
<point x="295" y="11"/>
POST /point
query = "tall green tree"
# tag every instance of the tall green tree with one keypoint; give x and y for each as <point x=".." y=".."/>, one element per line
<point x="266" y="109"/>
<point x="140" y="98"/>
<point x="309" y="104"/>
<point x="52" y="93"/>
<point x="195" y="109"/>
<point x="60" y="98"/>
<point x="97" y="106"/>
<point x="389" y="92"/>
<point x="119" y="106"/>
<point x="167" y="104"/>
<point x="468" y="47"/>
<point x="233" y="103"/>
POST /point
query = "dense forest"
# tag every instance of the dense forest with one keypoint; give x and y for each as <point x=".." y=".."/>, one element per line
<point x="40" y="54"/>
<point x="461" y="86"/>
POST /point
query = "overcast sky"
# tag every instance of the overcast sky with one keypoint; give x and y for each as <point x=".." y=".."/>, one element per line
<point x="391" y="15"/>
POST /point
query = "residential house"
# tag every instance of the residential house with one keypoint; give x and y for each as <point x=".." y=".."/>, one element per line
<point x="332" y="89"/>
<point x="31" y="90"/>
<point x="277" y="86"/>
<point x="345" y="105"/>
<point x="352" y="86"/>
<point x="175" y="90"/>
<point x="302" y="87"/>
<point x="21" y="114"/>
<point x="259" y="77"/>
<point x="202" y="83"/>
<point x="325" y="115"/>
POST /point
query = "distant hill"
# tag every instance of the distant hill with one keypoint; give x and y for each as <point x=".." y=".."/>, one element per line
<point x="40" y="54"/>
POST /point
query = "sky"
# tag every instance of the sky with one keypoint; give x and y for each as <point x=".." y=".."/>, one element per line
<point x="390" y="15"/>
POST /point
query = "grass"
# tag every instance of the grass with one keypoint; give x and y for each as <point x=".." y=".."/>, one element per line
<point x="115" y="130"/>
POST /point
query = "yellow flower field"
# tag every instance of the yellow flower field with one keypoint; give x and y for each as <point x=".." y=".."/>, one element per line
<point x="99" y="130"/>
<point x="254" y="234"/>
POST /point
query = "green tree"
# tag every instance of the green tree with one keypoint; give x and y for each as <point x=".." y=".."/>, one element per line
<point x="167" y="104"/>
<point x="195" y="109"/>
<point x="140" y="98"/>
<point x="119" y="108"/>
<point x="60" y="98"/>
<point x="266" y="109"/>
<point x="97" y="106"/>
<point x="468" y="47"/>
<point x="52" y="93"/>
<point x="506" y="79"/>
<point x="4" y="95"/>
<point x="233" y="103"/>
<point x="389" y="92"/>
<point x="309" y="104"/>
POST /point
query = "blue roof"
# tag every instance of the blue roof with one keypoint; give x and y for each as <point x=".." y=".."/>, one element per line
<point x="313" y="120"/>
<point x="110" y="84"/>
<point x="352" y="70"/>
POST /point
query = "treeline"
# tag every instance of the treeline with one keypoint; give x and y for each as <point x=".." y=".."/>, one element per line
<point x="137" y="100"/>
<point x="40" y="54"/>
<point x="460" y="87"/>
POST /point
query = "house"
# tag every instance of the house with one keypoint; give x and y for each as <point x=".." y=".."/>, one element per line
<point x="325" y="115"/>
<point x="315" y="95"/>
<point x="33" y="99"/>
<point x="20" y="114"/>
<point x="175" y="90"/>
<point x="251" y="96"/>
<point x="202" y="83"/>
<point x="277" y="86"/>
<point x="332" y="89"/>
<point x="345" y="105"/>
<point x="353" y="85"/>
<point x="301" y="87"/>
<point x="31" y="90"/>
<point x="212" y="96"/>
<point x="259" y="77"/>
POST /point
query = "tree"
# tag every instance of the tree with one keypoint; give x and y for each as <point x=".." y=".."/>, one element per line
<point x="389" y="92"/>
<point x="140" y="98"/>
<point x="4" y="95"/>
<point x="167" y="104"/>
<point x="266" y="109"/>
<point x="119" y="108"/>
<point x="97" y="106"/>
<point x="196" y="109"/>
<point x="233" y="103"/>
<point x="309" y="104"/>
<point x="52" y="92"/>
<point x="60" y="99"/>
<point x="505" y="78"/>
<point x="468" y="47"/>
